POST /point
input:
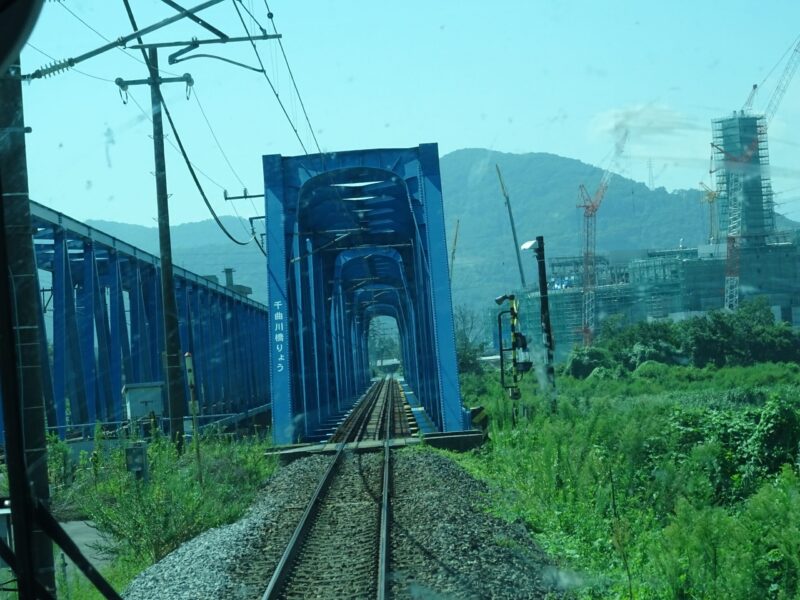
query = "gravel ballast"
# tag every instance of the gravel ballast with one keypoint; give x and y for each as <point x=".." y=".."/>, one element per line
<point x="445" y="545"/>
<point x="443" y="542"/>
<point x="230" y="561"/>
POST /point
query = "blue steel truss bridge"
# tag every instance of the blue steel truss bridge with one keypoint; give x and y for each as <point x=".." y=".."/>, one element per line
<point x="101" y="328"/>
<point x="353" y="236"/>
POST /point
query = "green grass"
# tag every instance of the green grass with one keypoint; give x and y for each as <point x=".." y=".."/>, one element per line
<point x="684" y="478"/>
<point x="144" y="521"/>
<point x="119" y="574"/>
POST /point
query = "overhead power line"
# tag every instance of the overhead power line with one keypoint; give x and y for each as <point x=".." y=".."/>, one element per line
<point x="250" y="232"/>
<point x="271" y="17"/>
<point x="46" y="55"/>
<point x="193" y="170"/>
<point x="216" y="139"/>
<point x="178" y="140"/>
<point x="103" y="37"/>
<point x="172" y="144"/>
<point x="252" y="16"/>
<point x="269" y="81"/>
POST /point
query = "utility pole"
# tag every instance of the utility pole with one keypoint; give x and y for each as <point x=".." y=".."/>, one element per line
<point x="173" y="369"/>
<point x="547" y="330"/>
<point x="23" y="397"/>
<point x="173" y="366"/>
<point x="172" y="362"/>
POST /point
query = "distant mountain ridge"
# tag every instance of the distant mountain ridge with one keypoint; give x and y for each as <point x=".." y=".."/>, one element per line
<point x="203" y="248"/>
<point x="544" y="194"/>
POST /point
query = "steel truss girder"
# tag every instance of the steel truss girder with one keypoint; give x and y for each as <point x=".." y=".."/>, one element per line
<point x="352" y="236"/>
<point x="106" y="327"/>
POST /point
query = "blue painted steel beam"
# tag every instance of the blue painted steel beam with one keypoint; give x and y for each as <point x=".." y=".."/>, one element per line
<point x="107" y="327"/>
<point x="352" y="236"/>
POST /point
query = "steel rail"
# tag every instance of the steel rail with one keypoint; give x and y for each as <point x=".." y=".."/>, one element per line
<point x="368" y="411"/>
<point x="355" y="421"/>
<point x="284" y="568"/>
<point x="378" y="414"/>
<point x="383" y="544"/>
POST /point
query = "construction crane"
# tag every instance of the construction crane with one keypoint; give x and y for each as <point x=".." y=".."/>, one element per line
<point x="453" y="251"/>
<point x="734" y="178"/>
<point x="590" y="206"/>
<point x="748" y="104"/>
<point x="783" y="84"/>
<point x="513" y="227"/>
<point x="710" y="198"/>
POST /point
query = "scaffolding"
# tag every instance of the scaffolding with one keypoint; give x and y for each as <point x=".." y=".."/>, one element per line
<point x="670" y="284"/>
<point x="744" y="189"/>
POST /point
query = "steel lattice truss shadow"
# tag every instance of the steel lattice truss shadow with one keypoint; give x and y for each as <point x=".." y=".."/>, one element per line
<point x="352" y="236"/>
<point x="106" y="331"/>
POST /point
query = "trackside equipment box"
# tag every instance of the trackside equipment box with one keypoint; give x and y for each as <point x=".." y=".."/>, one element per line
<point x="143" y="398"/>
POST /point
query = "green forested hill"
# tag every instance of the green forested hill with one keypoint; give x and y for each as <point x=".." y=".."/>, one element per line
<point x="203" y="248"/>
<point x="544" y="195"/>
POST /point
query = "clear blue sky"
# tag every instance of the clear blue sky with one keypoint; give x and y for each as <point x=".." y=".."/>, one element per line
<point x="515" y="76"/>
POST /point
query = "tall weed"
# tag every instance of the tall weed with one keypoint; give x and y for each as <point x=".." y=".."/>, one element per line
<point x="677" y="482"/>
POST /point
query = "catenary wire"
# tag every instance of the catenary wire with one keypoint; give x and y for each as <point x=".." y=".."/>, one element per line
<point x="271" y="18"/>
<point x="216" y="139"/>
<point x="173" y="145"/>
<point x="269" y="81"/>
<point x="241" y="219"/>
<point x="103" y="37"/>
<point x="196" y="168"/>
<point x="251" y="231"/>
<point x="189" y="166"/>
<point x="252" y="16"/>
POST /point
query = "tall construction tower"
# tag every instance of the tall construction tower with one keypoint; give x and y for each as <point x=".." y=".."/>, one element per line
<point x="744" y="189"/>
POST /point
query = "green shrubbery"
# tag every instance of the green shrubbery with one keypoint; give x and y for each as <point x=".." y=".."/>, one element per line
<point x="745" y="337"/>
<point x="680" y="482"/>
<point x="143" y="521"/>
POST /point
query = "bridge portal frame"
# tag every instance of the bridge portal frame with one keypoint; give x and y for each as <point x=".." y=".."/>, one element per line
<point x="317" y="328"/>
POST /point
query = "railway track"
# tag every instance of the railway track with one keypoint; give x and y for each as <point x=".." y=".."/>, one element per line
<point x="340" y="547"/>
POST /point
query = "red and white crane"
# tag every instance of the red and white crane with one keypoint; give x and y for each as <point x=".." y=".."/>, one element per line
<point x="590" y="205"/>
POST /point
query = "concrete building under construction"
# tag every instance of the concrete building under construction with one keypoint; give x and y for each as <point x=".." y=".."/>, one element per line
<point x="745" y="257"/>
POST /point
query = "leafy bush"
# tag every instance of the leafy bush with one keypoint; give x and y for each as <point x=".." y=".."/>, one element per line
<point x="775" y="439"/>
<point x="658" y="351"/>
<point x="680" y="482"/>
<point x="772" y="520"/>
<point x="720" y="338"/>
<point x="151" y="519"/>
<point x="145" y="520"/>
<point x="582" y="361"/>
<point x="608" y="373"/>
<point x="651" y="369"/>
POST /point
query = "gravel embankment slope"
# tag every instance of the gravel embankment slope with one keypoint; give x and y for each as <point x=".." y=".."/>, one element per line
<point x="443" y="543"/>
<point x="221" y="563"/>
